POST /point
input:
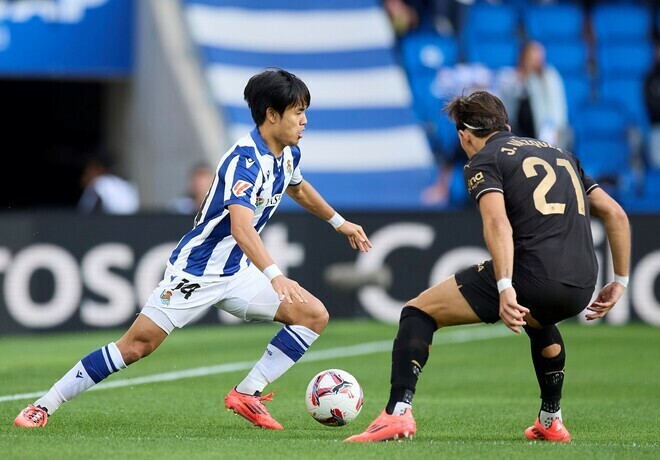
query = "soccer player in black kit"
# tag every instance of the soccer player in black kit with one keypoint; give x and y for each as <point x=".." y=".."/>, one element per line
<point x="535" y="202"/>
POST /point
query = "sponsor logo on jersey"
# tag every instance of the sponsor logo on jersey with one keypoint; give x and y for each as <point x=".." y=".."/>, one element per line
<point x="475" y="181"/>
<point x="272" y="201"/>
<point x="240" y="187"/>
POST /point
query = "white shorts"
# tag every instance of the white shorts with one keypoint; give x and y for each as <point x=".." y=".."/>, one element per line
<point x="180" y="299"/>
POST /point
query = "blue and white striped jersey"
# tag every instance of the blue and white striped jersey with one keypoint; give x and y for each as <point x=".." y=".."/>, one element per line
<point x="249" y="175"/>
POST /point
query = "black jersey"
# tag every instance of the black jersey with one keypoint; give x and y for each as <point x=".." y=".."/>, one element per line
<point x="545" y="193"/>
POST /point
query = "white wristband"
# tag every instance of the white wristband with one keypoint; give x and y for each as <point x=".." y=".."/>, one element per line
<point x="622" y="280"/>
<point x="504" y="283"/>
<point x="336" y="221"/>
<point x="272" y="271"/>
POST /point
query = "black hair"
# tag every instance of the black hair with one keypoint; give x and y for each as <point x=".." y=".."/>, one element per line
<point x="276" y="88"/>
<point x="481" y="113"/>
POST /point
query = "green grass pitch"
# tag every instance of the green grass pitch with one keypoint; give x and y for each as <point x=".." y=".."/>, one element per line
<point x="476" y="396"/>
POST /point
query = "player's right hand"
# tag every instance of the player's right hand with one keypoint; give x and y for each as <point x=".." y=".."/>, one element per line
<point x="511" y="312"/>
<point x="288" y="289"/>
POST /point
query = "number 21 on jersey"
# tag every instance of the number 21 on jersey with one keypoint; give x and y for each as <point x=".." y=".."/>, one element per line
<point x="540" y="201"/>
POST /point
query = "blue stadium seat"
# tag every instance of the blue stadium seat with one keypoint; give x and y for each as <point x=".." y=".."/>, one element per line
<point x="569" y="57"/>
<point x="603" y="158"/>
<point x="579" y="91"/>
<point x="485" y="20"/>
<point x="555" y="22"/>
<point x="446" y="135"/>
<point x="420" y="87"/>
<point x="458" y="194"/>
<point x="620" y="22"/>
<point x="633" y="59"/>
<point x="629" y="93"/>
<point x="490" y="25"/>
<point x="601" y="139"/>
<point x="602" y="118"/>
<point x="493" y="53"/>
<point x="426" y="53"/>
<point x="646" y="199"/>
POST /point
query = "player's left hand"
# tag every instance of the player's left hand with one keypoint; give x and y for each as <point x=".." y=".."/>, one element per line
<point x="607" y="297"/>
<point x="356" y="236"/>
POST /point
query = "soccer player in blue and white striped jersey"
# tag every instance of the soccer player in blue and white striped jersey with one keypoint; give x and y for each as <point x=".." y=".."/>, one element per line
<point x="222" y="261"/>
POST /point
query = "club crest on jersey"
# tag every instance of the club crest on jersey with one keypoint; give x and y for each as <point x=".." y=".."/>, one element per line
<point x="165" y="296"/>
<point x="289" y="167"/>
<point x="240" y="187"/>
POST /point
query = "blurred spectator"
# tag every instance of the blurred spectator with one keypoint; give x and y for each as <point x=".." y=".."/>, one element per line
<point x="437" y="194"/>
<point x="535" y="98"/>
<point x="403" y="15"/>
<point x="461" y="79"/>
<point x="199" y="181"/>
<point x="103" y="190"/>
<point x="443" y="16"/>
<point x="652" y="100"/>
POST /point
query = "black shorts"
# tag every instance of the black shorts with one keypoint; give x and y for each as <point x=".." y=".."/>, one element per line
<point x="549" y="301"/>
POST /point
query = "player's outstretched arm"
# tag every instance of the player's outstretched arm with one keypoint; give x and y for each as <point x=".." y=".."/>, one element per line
<point x="617" y="228"/>
<point x="307" y="197"/>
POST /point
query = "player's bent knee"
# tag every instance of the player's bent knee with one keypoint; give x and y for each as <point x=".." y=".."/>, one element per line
<point x="551" y="351"/>
<point x="135" y="351"/>
<point x="316" y="317"/>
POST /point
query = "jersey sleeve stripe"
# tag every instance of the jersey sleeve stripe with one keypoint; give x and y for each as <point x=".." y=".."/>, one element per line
<point x="591" y="189"/>
<point x="487" y="190"/>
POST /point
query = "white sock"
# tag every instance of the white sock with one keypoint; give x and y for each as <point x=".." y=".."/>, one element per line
<point x="546" y="418"/>
<point x="283" y="351"/>
<point x="400" y="408"/>
<point x="87" y="372"/>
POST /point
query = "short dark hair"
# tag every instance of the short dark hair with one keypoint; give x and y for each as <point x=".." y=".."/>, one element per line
<point x="276" y="88"/>
<point x="482" y="113"/>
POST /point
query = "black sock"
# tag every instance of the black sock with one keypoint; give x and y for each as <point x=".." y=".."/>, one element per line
<point x="549" y="371"/>
<point x="409" y="354"/>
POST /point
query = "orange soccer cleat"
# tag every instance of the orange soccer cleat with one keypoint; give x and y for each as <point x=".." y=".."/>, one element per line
<point x="388" y="428"/>
<point x="556" y="433"/>
<point x="252" y="409"/>
<point x="31" y="417"/>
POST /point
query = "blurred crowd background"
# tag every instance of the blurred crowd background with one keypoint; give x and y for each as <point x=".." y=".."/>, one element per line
<point x="121" y="106"/>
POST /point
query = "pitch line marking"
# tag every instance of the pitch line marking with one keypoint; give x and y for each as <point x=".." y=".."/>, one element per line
<point x="472" y="334"/>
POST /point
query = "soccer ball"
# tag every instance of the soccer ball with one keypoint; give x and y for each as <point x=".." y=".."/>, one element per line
<point x="334" y="397"/>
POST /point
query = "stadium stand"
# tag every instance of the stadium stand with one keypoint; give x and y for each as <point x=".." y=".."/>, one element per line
<point x="358" y="129"/>
<point x="365" y="147"/>
<point x="490" y="35"/>
<point x="603" y="51"/>
<point x="554" y="22"/>
<point x="622" y="21"/>
<point x="601" y="140"/>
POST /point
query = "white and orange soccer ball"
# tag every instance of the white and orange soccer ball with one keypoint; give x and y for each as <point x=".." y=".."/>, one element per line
<point x="334" y="397"/>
